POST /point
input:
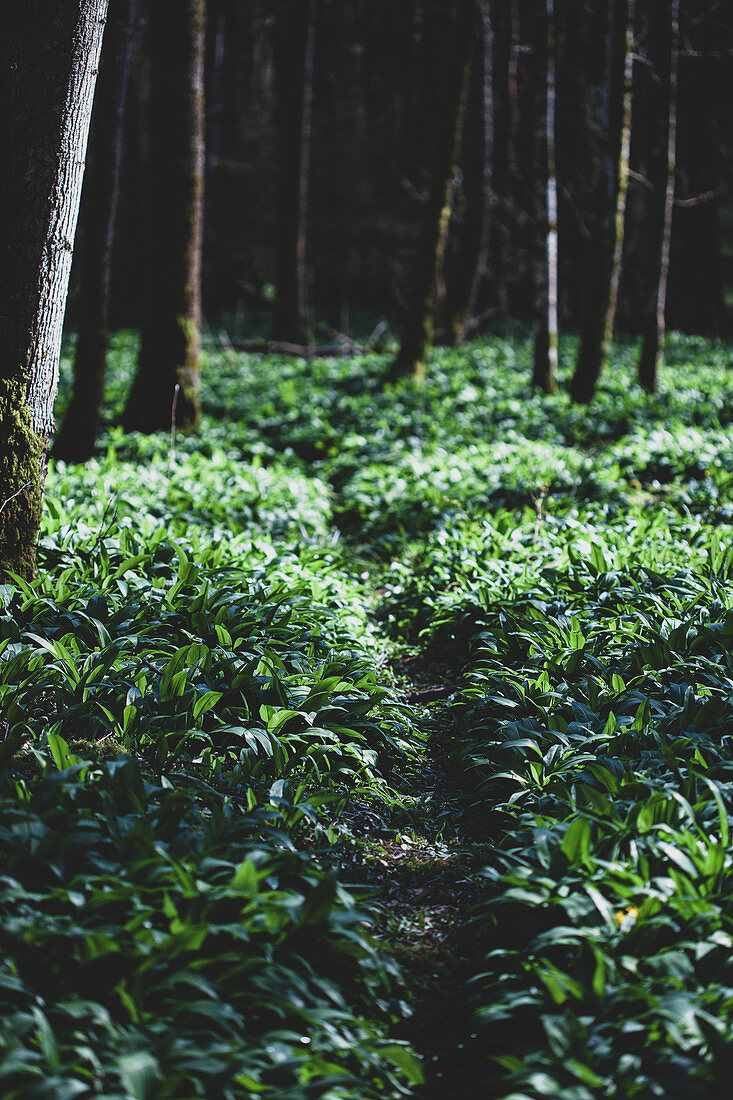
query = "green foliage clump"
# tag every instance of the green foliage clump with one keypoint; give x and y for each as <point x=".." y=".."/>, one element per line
<point x="157" y="941"/>
<point x="596" y="722"/>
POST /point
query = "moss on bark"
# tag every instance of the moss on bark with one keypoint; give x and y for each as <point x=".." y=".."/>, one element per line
<point x="22" y="468"/>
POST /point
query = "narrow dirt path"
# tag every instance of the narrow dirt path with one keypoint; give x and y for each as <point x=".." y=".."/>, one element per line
<point x="426" y="870"/>
<point x="424" y="865"/>
<point x="438" y="885"/>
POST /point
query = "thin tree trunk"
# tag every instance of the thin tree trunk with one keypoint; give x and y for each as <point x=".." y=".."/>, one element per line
<point x="652" y="348"/>
<point x="77" y="436"/>
<point x="623" y="175"/>
<point x="469" y="269"/>
<point x="349" y="221"/>
<point x="294" y="57"/>
<point x="170" y="341"/>
<point x="482" y="262"/>
<point x="49" y="55"/>
<point x="546" y="336"/>
<point x="418" y="332"/>
<point x="515" y="31"/>
<point x="508" y="219"/>
<point x="593" y="351"/>
<point x="305" y="158"/>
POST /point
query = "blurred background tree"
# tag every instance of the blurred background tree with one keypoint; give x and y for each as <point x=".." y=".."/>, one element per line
<point x="322" y="134"/>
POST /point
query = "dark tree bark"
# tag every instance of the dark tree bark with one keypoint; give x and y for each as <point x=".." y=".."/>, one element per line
<point x="230" y="42"/>
<point x="623" y="176"/>
<point x="544" y="375"/>
<point x="170" y="341"/>
<point x="508" y="184"/>
<point x="340" y="214"/>
<point x="601" y="241"/>
<point x="77" y="436"/>
<point x="652" y="346"/>
<point x="49" y="54"/>
<point x="294" y="56"/>
<point x="417" y="336"/>
<point x="487" y="103"/>
<point x="515" y="33"/>
<point x="471" y="264"/>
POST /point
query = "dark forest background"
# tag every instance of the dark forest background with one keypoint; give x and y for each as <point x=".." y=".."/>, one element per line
<point x="376" y="81"/>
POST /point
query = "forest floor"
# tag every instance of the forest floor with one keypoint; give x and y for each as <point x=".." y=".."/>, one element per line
<point x="424" y="696"/>
<point x="424" y="865"/>
<point x="433" y="866"/>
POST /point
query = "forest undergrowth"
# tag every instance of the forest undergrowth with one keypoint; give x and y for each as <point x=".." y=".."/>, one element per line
<point x="377" y="742"/>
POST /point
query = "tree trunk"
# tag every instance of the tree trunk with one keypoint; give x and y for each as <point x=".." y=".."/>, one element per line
<point x="544" y="374"/>
<point x="294" y="58"/>
<point x="170" y="341"/>
<point x="471" y="263"/>
<point x="515" y="34"/>
<point x="593" y="351"/>
<point x="506" y="171"/>
<point x="49" y="54"/>
<point x="653" y="338"/>
<point x="418" y="332"/>
<point x="77" y="436"/>
<point x="487" y="104"/>
<point x="623" y="175"/>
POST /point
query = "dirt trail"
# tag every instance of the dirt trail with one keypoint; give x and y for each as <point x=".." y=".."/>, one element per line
<point x="427" y="873"/>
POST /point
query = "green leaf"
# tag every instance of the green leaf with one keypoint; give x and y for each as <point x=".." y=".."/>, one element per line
<point x="141" y="1073"/>
<point x="722" y="813"/>
<point x="128" y="717"/>
<point x="610" y="727"/>
<point x="49" y="1044"/>
<point x="598" y="559"/>
<point x="600" y="971"/>
<point x="280" y="791"/>
<point x="60" y="753"/>
<point x="585" y="1074"/>
<point x="559" y="985"/>
<point x="576" y="843"/>
<point x="404" y="1059"/>
<point x="246" y="878"/>
<point x="205" y="702"/>
<point x="249" y="1083"/>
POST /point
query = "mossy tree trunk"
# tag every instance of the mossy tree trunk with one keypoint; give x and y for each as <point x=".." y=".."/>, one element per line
<point x="170" y="340"/>
<point x="294" y="57"/>
<point x="601" y="241"/>
<point x="544" y="375"/>
<point x="417" y="337"/>
<point x="78" y="433"/>
<point x="652" y="346"/>
<point x="49" y="55"/>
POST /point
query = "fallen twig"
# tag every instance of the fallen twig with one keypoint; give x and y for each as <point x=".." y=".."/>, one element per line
<point x="172" y="452"/>
<point x="307" y="351"/>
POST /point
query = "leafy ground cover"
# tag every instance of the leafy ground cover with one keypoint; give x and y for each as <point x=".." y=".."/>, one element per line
<point x="375" y="727"/>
